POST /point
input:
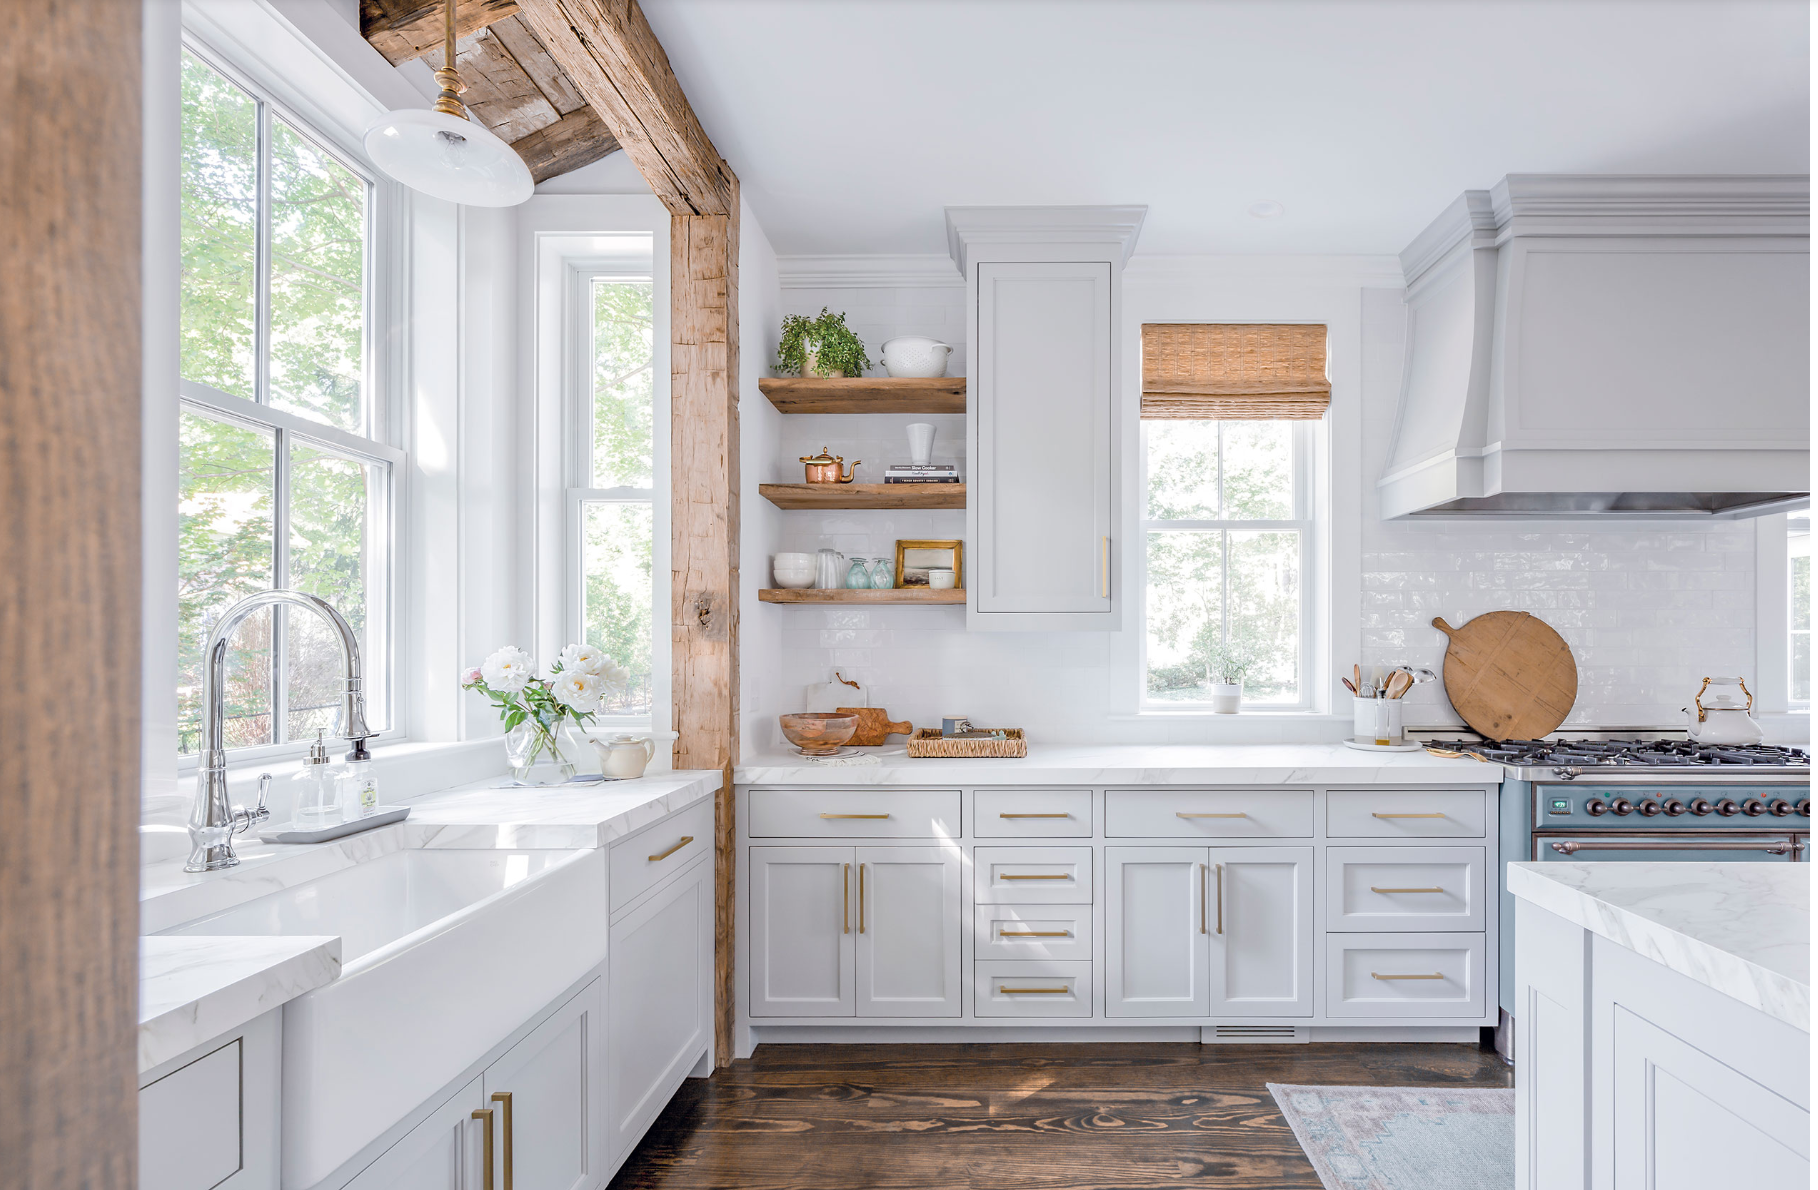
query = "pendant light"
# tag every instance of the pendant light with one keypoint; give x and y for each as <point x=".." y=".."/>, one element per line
<point x="443" y="152"/>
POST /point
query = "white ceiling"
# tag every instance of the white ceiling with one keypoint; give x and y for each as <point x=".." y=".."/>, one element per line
<point x="852" y="123"/>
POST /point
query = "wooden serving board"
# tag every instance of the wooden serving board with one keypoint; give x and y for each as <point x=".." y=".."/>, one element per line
<point x="873" y="725"/>
<point x="1509" y="675"/>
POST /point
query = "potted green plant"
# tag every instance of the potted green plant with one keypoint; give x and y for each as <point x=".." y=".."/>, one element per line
<point x="823" y="346"/>
<point x="1228" y="664"/>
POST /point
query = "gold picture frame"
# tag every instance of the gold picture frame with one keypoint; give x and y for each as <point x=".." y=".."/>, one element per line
<point x="907" y="555"/>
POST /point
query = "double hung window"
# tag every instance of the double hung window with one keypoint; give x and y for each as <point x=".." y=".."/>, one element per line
<point x="284" y="476"/>
<point x="1799" y="611"/>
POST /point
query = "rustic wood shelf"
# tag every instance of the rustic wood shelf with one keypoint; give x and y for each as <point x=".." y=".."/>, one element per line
<point x="864" y="495"/>
<point x="878" y="394"/>
<point x="903" y="595"/>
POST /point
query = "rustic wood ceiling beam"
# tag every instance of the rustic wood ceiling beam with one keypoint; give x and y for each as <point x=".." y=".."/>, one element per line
<point x="577" y="139"/>
<point x="608" y="51"/>
<point x="404" y="30"/>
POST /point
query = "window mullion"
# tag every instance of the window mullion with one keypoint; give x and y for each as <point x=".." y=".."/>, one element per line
<point x="262" y="259"/>
<point x="280" y="573"/>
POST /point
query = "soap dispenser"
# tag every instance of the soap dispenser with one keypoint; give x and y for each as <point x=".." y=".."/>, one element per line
<point x="315" y="802"/>
<point x="359" y="785"/>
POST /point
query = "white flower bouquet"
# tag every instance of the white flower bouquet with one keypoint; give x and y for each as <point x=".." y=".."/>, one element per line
<point x="536" y="707"/>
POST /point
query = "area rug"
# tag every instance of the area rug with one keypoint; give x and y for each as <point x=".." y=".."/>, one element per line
<point x="1404" y="1138"/>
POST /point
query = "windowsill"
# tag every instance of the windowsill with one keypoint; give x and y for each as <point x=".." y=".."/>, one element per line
<point x="1292" y="714"/>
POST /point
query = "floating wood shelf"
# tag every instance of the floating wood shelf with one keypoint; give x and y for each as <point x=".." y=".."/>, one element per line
<point x="881" y="394"/>
<point x="864" y="495"/>
<point x="904" y="595"/>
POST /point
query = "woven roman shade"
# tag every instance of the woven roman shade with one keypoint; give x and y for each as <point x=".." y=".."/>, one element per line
<point x="1230" y="371"/>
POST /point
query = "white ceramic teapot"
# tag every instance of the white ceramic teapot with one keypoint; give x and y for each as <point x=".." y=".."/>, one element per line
<point x="1719" y="713"/>
<point x="624" y="756"/>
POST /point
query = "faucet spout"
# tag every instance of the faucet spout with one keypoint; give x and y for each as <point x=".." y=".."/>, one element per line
<point x="213" y="821"/>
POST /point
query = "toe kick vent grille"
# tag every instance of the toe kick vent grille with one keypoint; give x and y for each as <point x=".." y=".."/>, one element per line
<point x="1270" y="1034"/>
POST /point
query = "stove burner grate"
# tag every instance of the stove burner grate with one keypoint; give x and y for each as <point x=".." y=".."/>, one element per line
<point x="1626" y="753"/>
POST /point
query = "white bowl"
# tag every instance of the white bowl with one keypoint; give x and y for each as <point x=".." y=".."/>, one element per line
<point x="913" y="355"/>
<point x="794" y="580"/>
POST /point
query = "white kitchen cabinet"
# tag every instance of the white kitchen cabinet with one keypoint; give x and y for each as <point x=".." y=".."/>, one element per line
<point x="210" y="1118"/>
<point x="803" y="944"/>
<point x="910" y="931"/>
<point x="1157" y="937"/>
<point x="441" y="1153"/>
<point x="659" y="1002"/>
<point x="544" y="1092"/>
<point x="1262" y="931"/>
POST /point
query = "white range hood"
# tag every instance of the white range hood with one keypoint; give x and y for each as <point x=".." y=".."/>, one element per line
<point x="1607" y="346"/>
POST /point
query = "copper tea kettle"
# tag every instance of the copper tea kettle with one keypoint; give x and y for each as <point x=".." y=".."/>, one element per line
<point x="825" y="468"/>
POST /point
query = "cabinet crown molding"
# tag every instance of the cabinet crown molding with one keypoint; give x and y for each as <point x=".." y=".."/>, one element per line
<point x="1112" y="228"/>
<point x="905" y="271"/>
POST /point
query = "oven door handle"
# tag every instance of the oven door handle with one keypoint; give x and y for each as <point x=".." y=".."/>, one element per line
<point x="1778" y="847"/>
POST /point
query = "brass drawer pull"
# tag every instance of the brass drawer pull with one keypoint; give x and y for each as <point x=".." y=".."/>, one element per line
<point x="504" y="1098"/>
<point x="484" y="1115"/>
<point x="1374" y="889"/>
<point x="1184" y="814"/>
<point x="1386" y="978"/>
<point x="1407" y="815"/>
<point x="1035" y="815"/>
<point x="1004" y="991"/>
<point x="1055" y="876"/>
<point x="855" y="816"/>
<point x="1033" y="934"/>
<point x="686" y="839"/>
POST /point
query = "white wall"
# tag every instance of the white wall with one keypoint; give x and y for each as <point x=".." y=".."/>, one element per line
<point x="760" y="425"/>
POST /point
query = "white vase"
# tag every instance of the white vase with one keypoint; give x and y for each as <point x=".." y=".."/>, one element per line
<point x="921" y="443"/>
<point x="1227" y="697"/>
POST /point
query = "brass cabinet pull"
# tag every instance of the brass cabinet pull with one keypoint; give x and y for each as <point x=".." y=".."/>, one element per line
<point x="686" y="839"/>
<point x="1386" y="978"/>
<point x="1407" y="815"/>
<point x="855" y="816"/>
<point x="1202" y="898"/>
<point x="846" y="899"/>
<point x="1218" y="877"/>
<point x="1033" y="933"/>
<point x="1044" y="876"/>
<point x="504" y="1098"/>
<point x="484" y="1115"/>
<point x="1184" y="814"/>
<point x="1004" y="991"/>
<point x="1374" y="889"/>
<point x="861" y="898"/>
<point x="1035" y="815"/>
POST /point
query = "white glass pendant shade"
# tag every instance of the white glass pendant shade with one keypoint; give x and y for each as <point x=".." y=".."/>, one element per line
<point x="447" y="157"/>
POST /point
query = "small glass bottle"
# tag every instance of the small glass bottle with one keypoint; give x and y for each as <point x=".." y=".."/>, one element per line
<point x="315" y="801"/>
<point x="359" y="786"/>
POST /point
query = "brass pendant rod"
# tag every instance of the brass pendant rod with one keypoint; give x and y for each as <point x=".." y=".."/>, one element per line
<point x="449" y="101"/>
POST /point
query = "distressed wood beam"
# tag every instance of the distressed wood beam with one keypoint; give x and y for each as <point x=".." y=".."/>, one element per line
<point x="404" y="30"/>
<point x="577" y="139"/>
<point x="608" y="51"/>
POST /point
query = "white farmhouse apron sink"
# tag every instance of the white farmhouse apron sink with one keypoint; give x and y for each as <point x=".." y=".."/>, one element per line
<point x="444" y="953"/>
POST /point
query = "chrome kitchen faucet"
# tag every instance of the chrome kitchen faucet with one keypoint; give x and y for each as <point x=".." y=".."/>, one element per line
<point x="213" y="822"/>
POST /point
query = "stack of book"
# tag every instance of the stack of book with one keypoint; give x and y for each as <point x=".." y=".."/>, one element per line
<point x="922" y="473"/>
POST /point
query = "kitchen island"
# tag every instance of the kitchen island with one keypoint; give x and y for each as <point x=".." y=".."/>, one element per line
<point x="1665" y="1029"/>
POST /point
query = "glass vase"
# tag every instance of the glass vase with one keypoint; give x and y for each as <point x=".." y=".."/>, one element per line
<point x="542" y="753"/>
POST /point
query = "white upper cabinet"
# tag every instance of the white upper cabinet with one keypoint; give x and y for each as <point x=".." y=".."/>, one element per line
<point x="1043" y="288"/>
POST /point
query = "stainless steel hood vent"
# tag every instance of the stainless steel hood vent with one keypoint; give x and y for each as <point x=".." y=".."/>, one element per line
<point x="1607" y="347"/>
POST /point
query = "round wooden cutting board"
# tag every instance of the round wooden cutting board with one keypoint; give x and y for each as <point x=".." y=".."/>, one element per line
<point x="1509" y="675"/>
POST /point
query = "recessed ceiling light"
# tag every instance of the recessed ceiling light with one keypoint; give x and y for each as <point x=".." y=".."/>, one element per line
<point x="1268" y="208"/>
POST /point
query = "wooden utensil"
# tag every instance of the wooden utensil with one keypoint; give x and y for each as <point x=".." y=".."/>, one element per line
<point x="1399" y="684"/>
<point x="1509" y="675"/>
<point x="873" y="725"/>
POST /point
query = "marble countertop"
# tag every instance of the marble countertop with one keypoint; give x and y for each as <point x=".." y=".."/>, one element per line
<point x="192" y="989"/>
<point x="1133" y="764"/>
<point x="1742" y="929"/>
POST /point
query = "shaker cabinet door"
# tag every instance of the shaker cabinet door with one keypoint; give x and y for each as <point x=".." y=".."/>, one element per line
<point x="910" y="939"/>
<point x="804" y="921"/>
<point x="548" y="1137"/>
<point x="1156" y="931"/>
<point x="1262" y="931"/>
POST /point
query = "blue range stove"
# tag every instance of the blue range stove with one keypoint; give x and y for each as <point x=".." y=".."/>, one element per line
<point x="1623" y="799"/>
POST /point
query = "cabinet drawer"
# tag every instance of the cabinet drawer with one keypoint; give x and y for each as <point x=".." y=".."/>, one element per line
<point x="1032" y="875"/>
<point x="1208" y="814"/>
<point x="189" y="1123"/>
<point x="855" y="814"/>
<point x="637" y="863"/>
<point x="1404" y="888"/>
<point x="1405" y="814"/>
<point x="1032" y="989"/>
<point x="1032" y="813"/>
<point x="1048" y="932"/>
<point x="1404" y="975"/>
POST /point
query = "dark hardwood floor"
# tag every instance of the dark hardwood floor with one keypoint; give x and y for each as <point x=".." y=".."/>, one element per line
<point x="1015" y="1117"/>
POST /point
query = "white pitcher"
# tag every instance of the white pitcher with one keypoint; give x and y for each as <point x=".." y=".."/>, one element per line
<point x="624" y="756"/>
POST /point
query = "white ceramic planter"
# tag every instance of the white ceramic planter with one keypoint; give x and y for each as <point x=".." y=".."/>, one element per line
<point x="1227" y="697"/>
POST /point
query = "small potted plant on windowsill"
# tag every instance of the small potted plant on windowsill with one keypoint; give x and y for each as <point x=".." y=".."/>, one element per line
<point x="1228" y="664"/>
<point x="823" y="346"/>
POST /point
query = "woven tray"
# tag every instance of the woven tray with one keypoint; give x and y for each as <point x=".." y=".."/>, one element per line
<point x="928" y="742"/>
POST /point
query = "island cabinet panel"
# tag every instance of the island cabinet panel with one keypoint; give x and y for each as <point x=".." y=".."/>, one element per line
<point x="1262" y="931"/>
<point x="802" y="927"/>
<point x="441" y="1153"/>
<point x="1208" y="814"/>
<point x="1156" y="935"/>
<point x="544" y="1136"/>
<point x="1551" y="1148"/>
<point x="910" y="927"/>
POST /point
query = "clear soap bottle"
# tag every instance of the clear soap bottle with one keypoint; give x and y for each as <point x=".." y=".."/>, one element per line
<point x="359" y="784"/>
<point x="316" y="802"/>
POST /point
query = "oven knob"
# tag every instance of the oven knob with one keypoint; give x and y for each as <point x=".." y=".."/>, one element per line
<point x="1649" y="808"/>
<point x="1595" y="807"/>
<point x="1780" y="807"/>
<point x="1673" y="807"/>
<point x="1728" y="808"/>
<point x="1700" y="807"/>
<point x="1753" y="808"/>
<point x="1805" y="807"/>
<point x="1620" y="806"/>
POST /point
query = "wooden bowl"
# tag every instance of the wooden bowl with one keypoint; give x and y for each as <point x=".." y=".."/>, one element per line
<point x="818" y="733"/>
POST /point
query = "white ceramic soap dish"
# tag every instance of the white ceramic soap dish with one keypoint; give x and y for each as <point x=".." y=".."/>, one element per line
<point x="290" y="832"/>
